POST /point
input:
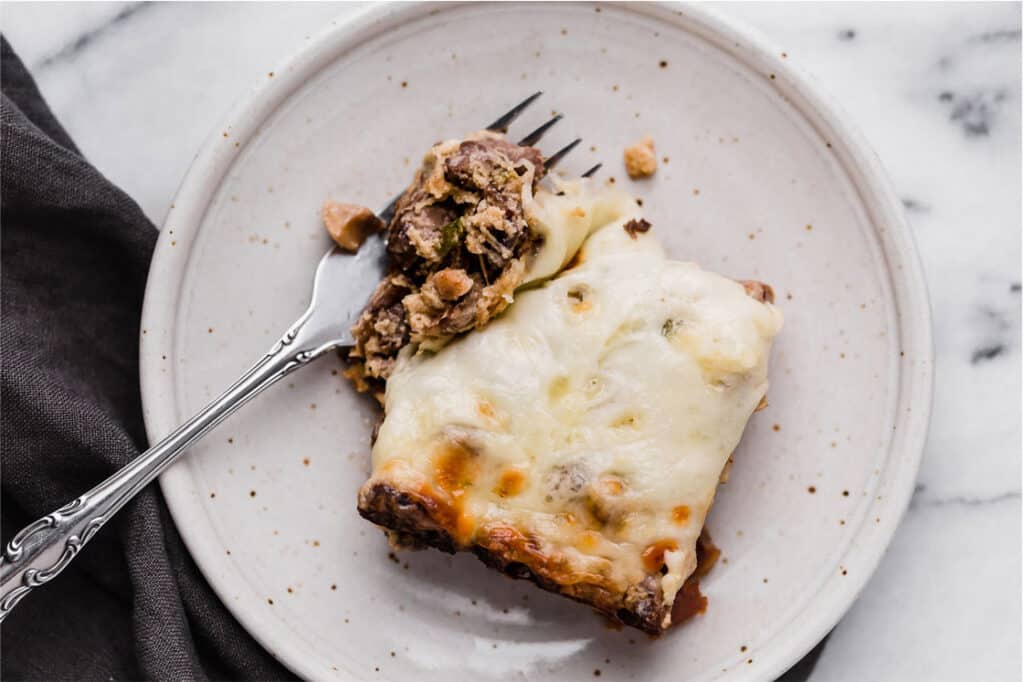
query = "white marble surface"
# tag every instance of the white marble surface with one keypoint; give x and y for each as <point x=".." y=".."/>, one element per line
<point x="935" y="88"/>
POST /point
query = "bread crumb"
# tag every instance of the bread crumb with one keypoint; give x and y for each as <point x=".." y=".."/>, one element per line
<point x="349" y="224"/>
<point x="640" y="159"/>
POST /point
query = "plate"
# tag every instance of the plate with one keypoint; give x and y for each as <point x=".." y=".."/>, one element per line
<point x="760" y="178"/>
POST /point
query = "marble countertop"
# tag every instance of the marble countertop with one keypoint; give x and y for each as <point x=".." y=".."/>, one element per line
<point x="937" y="91"/>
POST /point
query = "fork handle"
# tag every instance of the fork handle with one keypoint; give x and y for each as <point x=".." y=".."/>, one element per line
<point x="42" y="549"/>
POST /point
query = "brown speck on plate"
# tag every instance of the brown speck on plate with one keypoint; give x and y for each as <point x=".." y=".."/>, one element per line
<point x="210" y="330"/>
<point x="270" y="74"/>
<point x="334" y="588"/>
<point x="696" y="192"/>
<point x="743" y="649"/>
<point x="808" y="227"/>
<point x="784" y="55"/>
<point x="636" y="226"/>
<point x="663" y="64"/>
<point x="776" y="427"/>
<point x="846" y="493"/>
<point x="252" y="493"/>
<point x="772" y="76"/>
<point x="213" y="495"/>
<point x="270" y="601"/>
<point x="305" y="461"/>
<point x="811" y="489"/>
<point x="597" y="672"/>
<point x="565" y="31"/>
<point x="405" y="84"/>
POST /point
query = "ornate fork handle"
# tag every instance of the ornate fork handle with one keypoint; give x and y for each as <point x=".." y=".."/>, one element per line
<point x="41" y="550"/>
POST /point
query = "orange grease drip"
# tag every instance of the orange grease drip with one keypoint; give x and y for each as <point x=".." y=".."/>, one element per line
<point x="587" y="541"/>
<point x="455" y="469"/>
<point x="654" y="555"/>
<point x="681" y="514"/>
<point x="611" y="486"/>
<point x="511" y="483"/>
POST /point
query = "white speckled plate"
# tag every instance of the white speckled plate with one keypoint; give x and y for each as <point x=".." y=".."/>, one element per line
<point x="760" y="179"/>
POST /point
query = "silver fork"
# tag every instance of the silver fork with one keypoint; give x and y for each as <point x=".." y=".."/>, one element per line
<point x="343" y="282"/>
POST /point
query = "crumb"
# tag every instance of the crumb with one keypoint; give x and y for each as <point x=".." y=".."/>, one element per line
<point x="636" y="226"/>
<point x="640" y="159"/>
<point x="349" y="224"/>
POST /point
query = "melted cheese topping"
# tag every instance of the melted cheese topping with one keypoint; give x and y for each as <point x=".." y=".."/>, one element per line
<point x="596" y="415"/>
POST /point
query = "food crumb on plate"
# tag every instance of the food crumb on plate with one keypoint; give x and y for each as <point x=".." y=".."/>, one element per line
<point x="641" y="162"/>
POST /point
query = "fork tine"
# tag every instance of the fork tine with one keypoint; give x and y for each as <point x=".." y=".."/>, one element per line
<point x="502" y="124"/>
<point x="534" y="137"/>
<point x="593" y="170"/>
<point x="560" y="154"/>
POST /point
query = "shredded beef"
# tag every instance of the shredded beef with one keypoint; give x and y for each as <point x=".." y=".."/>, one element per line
<point x="457" y="245"/>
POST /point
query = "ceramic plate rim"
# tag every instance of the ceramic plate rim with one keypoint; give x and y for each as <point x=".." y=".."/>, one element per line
<point x="165" y="282"/>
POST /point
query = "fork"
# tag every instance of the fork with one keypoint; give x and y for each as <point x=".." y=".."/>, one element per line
<point x="42" y="549"/>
